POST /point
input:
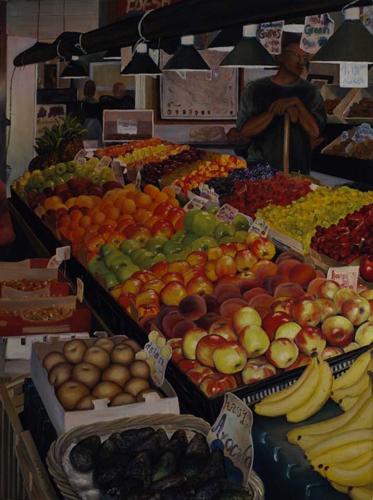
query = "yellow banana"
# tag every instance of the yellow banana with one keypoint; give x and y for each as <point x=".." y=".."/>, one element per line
<point x="340" y="439"/>
<point x="296" y="398"/>
<point x="363" y="419"/>
<point x="340" y="488"/>
<point x="354" y="477"/>
<point x="347" y="403"/>
<point x="354" y="373"/>
<point x="317" y="399"/>
<point x="349" y="456"/>
<point x="354" y="390"/>
<point x="295" y="436"/>
<point x="361" y="493"/>
<point x="277" y="396"/>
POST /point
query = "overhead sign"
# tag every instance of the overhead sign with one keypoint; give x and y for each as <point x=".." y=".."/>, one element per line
<point x="270" y="36"/>
<point x="126" y="6"/>
<point x="317" y="31"/>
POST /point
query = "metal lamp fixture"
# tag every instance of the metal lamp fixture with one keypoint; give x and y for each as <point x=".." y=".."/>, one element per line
<point x="351" y="43"/>
<point x="187" y="58"/>
<point x="74" y="69"/>
<point x="249" y="52"/>
<point x="113" y="55"/>
<point x="226" y="39"/>
<point x="141" y="63"/>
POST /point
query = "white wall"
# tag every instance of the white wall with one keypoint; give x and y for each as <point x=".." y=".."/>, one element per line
<point x="21" y="98"/>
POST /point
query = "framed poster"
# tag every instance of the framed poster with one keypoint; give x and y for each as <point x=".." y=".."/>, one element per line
<point x="125" y="125"/>
<point x="48" y="115"/>
<point x="200" y="95"/>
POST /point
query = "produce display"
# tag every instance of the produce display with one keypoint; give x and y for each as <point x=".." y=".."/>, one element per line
<point x="347" y="240"/>
<point x="143" y="155"/>
<point x="330" y="105"/>
<point x="341" y="448"/>
<point x="122" y="149"/>
<point x="320" y="208"/>
<point x="147" y="463"/>
<point x="249" y="196"/>
<point x="104" y="370"/>
<point x="362" y="108"/>
<point x="353" y="143"/>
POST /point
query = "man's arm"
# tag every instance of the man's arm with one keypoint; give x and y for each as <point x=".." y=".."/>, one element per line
<point x="305" y="117"/>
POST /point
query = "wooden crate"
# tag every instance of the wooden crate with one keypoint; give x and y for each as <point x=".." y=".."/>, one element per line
<point x="22" y="474"/>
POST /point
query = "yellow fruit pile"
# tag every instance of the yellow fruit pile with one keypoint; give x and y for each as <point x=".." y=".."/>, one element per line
<point x="157" y="153"/>
<point x="341" y="448"/>
<point x="323" y="207"/>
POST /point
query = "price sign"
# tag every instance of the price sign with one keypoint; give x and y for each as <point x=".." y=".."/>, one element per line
<point x="346" y="276"/>
<point x="317" y="31"/>
<point x="157" y="354"/>
<point x="195" y="201"/>
<point x="260" y="226"/>
<point x="270" y="36"/>
<point x="80" y="157"/>
<point x="231" y="433"/>
<point x="63" y="253"/>
<point x="104" y="162"/>
<point x="118" y="172"/>
<point x="353" y="75"/>
<point x="138" y="180"/>
<point x="227" y="213"/>
<point x="79" y="289"/>
<point x="209" y="193"/>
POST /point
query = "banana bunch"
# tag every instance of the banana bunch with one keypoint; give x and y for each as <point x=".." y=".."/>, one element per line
<point x="302" y="399"/>
<point x="341" y="448"/>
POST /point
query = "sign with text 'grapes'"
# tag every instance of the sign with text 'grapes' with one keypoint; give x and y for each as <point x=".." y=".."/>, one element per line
<point x="231" y="432"/>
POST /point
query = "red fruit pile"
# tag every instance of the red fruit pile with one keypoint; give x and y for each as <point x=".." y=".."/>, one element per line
<point x="347" y="240"/>
<point x="279" y="190"/>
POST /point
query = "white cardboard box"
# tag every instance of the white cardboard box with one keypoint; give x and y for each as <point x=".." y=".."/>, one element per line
<point x="63" y="420"/>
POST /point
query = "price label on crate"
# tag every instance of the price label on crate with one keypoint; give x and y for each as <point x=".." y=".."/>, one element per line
<point x="104" y="162"/>
<point x="80" y="157"/>
<point x="118" y="172"/>
<point x="138" y="180"/>
<point x="345" y="276"/>
<point x="227" y="213"/>
<point x="260" y="226"/>
<point x="209" y="193"/>
<point x="157" y="354"/>
<point x="63" y="253"/>
<point x="231" y="432"/>
<point x="79" y="289"/>
<point x="195" y="201"/>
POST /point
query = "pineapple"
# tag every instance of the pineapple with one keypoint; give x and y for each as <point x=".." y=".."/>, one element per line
<point x="59" y="143"/>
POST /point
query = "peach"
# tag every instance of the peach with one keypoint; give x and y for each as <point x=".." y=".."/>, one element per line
<point x="169" y="321"/>
<point x="264" y="269"/>
<point x="285" y="265"/>
<point x="193" y="307"/>
<point x="182" y="327"/>
<point x="261" y="300"/>
<point x="230" y="306"/>
<point x="271" y="283"/>
<point x="211" y="303"/>
<point x="226" y="287"/>
<point x="302" y="274"/>
<point x="291" y="290"/>
<point x="287" y="256"/>
<point x="253" y="292"/>
<point x="207" y="320"/>
<point x="314" y="285"/>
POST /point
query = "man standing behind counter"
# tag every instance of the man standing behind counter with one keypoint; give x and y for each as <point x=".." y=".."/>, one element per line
<point x="260" y="120"/>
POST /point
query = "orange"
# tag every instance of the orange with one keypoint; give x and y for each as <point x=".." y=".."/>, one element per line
<point x="64" y="220"/>
<point x="169" y="191"/>
<point x="127" y="206"/>
<point x="85" y="221"/>
<point x="142" y="215"/>
<point x="75" y="215"/>
<point x="151" y="190"/>
<point x="84" y="201"/>
<point x="52" y="201"/>
<point x="143" y="200"/>
<point x="70" y="202"/>
<point x="112" y="213"/>
<point x="151" y="221"/>
<point x="173" y="201"/>
<point x="106" y="205"/>
<point x="99" y="218"/>
<point x="161" y="197"/>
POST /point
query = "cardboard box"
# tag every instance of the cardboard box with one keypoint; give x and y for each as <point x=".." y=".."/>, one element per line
<point x="357" y="97"/>
<point x="63" y="420"/>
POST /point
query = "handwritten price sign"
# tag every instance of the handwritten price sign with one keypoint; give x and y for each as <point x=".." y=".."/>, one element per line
<point x="346" y="276"/>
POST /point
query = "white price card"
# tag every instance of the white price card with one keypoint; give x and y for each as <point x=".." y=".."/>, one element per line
<point x="353" y="75"/>
<point x="231" y="432"/>
<point x="260" y="226"/>
<point x="80" y="157"/>
<point x="63" y="253"/>
<point x="104" y="162"/>
<point x="227" y="213"/>
<point x="118" y="172"/>
<point x="195" y="201"/>
<point x="157" y="354"/>
<point x="138" y="180"/>
<point x="79" y="289"/>
<point x="345" y="276"/>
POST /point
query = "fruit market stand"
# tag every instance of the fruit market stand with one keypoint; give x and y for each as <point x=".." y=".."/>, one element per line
<point x="208" y="282"/>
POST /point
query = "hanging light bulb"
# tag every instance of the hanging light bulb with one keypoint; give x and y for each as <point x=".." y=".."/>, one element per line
<point x="249" y="52"/>
<point x="187" y="58"/>
<point x="74" y="69"/>
<point x="141" y="63"/>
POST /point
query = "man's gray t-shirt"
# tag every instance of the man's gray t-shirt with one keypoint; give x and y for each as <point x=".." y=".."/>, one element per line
<point x="268" y="145"/>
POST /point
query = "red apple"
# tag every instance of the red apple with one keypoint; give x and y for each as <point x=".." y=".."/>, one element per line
<point x="327" y="308"/>
<point x="177" y="352"/>
<point x="160" y="268"/>
<point x="301" y="360"/>
<point x="272" y="321"/>
<point x="282" y="353"/>
<point x="254" y="340"/>
<point x="200" y="285"/>
<point x="357" y="310"/>
<point x="282" y="304"/>
<point x="197" y="258"/>
<point x="223" y="328"/>
<point x="328" y="289"/>
<point x="366" y="267"/>
<point x="342" y="295"/>
<point x="214" y="253"/>
<point x="310" y="340"/>
<point x="338" y="330"/>
<point x="263" y="248"/>
<point x="306" y="312"/>
<point x="256" y="370"/>
<point x="229" y="358"/>
<point x="330" y="352"/>
<point x="206" y="347"/>
<point x="190" y="341"/>
<point x="173" y="293"/>
<point x="288" y="330"/>
<point x="225" y="266"/>
<point x="169" y="277"/>
<point x="187" y="364"/>
<point x="245" y="317"/>
<point x="217" y="384"/>
<point x="199" y="373"/>
<point x="245" y="260"/>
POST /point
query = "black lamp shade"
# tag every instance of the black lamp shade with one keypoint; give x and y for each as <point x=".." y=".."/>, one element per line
<point x="228" y="37"/>
<point x="249" y="53"/>
<point x="74" y="69"/>
<point x="141" y="64"/>
<point x="186" y="58"/>
<point x="352" y="42"/>
<point x="113" y="55"/>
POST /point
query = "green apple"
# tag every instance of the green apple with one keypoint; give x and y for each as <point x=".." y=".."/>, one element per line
<point x="67" y="176"/>
<point x="110" y="280"/>
<point x="179" y="236"/>
<point x="138" y="255"/>
<point x="172" y="247"/>
<point x="240" y="236"/>
<point x="188" y="240"/>
<point x="227" y="239"/>
<point x="204" y="243"/>
<point x="119" y="260"/>
<point x="94" y="263"/>
<point x="144" y="259"/>
<point x="71" y="166"/>
<point x="129" y="246"/>
<point x="60" y="168"/>
<point x="189" y="219"/>
<point x="223" y="229"/>
<point x="106" y="249"/>
<point x="49" y="184"/>
<point x="125" y="272"/>
<point x="159" y="257"/>
<point x="182" y="255"/>
<point x="241" y="223"/>
<point x="204" y="224"/>
<point x="156" y="244"/>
